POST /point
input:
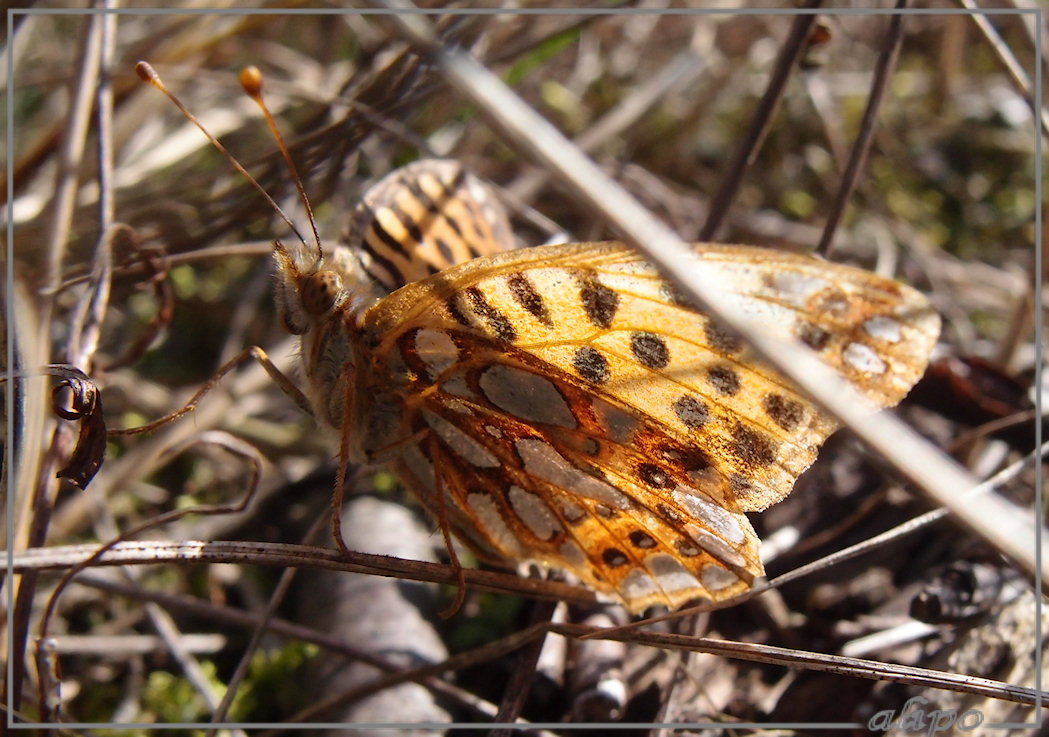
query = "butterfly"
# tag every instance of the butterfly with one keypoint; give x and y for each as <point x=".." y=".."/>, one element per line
<point x="565" y="405"/>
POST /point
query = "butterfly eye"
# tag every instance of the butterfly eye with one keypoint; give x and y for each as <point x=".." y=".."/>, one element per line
<point x="320" y="291"/>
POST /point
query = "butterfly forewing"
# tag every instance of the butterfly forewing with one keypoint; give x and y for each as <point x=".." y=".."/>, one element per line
<point x="575" y="411"/>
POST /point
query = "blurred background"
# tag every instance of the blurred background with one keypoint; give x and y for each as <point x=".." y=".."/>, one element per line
<point x="946" y="201"/>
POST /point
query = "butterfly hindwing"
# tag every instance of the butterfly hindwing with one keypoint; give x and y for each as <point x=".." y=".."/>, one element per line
<point x="422" y="218"/>
<point x="587" y="485"/>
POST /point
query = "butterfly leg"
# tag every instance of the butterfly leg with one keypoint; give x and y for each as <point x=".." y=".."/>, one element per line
<point x="460" y="576"/>
<point x="254" y="353"/>
<point x="441" y="508"/>
<point x="340" y="476"/>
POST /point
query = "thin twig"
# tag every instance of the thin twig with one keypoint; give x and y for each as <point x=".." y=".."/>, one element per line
<point x="882" y="73"/>
<point x="46" y="486"/>
<point x="1012" y="67"/>
<point x="152" y="552"/>
<point x="267" y="615"/>
<point x="750" y="145"/>
<point x="90" y="312"/>
<point x="836" y="664"/>
<point x="518" y="686"/>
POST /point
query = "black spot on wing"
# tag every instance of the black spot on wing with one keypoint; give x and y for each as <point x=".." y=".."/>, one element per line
<point x="654" y="476"/>
<point x="724" y="378"/>
<point x="692" y="412"/>
<point x="784" y="411"/>
<point x="591" y="365"/>
<point x="650" y="350"/>
<point x="813" y="336"/>
<point x="641" y="539"/>
<point x="445" y="250"/>
<point x="599" y="302"/>
<point x="752" y="446"/>
<point x="526" y="295"/>
<point x="456" y="312"/>
<point x="689" y="458"/>
<point x="496" y="320"/>
<point x="721" y="339"/>
<point x="408" y="223"/>
<point x="387" y="240"/>
<point x="421" y="195"/>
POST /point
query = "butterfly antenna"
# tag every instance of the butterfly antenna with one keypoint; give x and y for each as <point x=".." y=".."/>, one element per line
<point x="251" y="81"/>
<point x="148" y="74"/>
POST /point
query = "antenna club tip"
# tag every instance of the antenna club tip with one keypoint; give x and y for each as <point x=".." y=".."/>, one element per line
<point x="145" y="71"/>
<point x="251" y="80"/>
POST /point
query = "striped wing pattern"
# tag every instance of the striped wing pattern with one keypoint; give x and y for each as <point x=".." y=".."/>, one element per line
<point x="423" y="218"/>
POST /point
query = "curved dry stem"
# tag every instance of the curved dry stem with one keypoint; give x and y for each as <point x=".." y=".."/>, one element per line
<point x="221" y="439"/>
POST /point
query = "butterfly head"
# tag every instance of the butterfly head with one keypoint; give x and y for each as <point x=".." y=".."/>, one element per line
<point x="319" y="295"/>
<point x="313" y="288"/>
